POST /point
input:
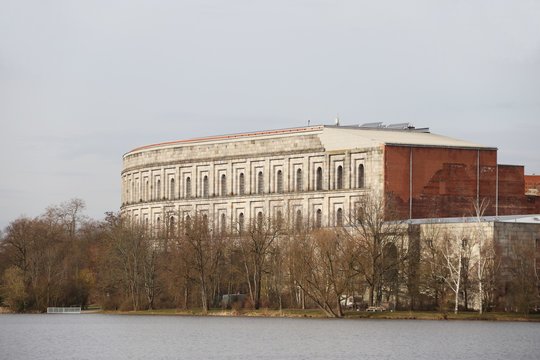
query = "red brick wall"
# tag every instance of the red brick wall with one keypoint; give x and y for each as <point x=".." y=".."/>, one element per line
<point x="444" y="182"/>
<point x="512" y="198"/>
<point x="532" y="184"/>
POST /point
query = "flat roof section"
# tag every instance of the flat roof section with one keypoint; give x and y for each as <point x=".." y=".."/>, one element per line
<point x="335" y="137"/>
<point x="237" y="136"/>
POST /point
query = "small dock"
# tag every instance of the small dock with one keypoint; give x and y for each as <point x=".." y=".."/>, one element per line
<point x="63" y="310"/>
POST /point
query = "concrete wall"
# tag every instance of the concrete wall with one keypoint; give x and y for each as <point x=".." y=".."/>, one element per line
<point x="510" y="240"/>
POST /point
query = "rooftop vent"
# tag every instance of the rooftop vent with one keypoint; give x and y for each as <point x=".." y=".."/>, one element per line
<point x="376" y="125"/>
<point x="398" y="126"/>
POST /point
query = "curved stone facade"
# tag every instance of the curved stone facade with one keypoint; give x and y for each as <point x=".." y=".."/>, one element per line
<point x="290" y="173"/>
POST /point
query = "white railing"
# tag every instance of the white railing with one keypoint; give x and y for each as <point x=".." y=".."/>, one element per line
<point x="63" y="310"/>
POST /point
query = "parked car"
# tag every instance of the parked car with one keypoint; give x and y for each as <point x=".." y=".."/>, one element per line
<point x="375" y="308"/>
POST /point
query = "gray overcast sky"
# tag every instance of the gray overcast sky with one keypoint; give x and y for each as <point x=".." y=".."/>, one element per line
<point x="82" y="82"/>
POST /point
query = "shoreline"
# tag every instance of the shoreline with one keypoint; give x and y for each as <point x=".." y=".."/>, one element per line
<point x="352" y="315"/>
<point x="317" y="314"/>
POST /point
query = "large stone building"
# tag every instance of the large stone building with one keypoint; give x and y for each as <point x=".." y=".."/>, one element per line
<point x="317" y="175"/>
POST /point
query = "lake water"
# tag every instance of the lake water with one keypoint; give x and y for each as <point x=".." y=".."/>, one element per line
<point x="96" y="336"/>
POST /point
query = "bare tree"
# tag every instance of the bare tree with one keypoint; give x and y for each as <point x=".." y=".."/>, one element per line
<point x="150" y="265"/>
<point x="377" y="233"/>
<point x="13" y="289"/>
<point x="18" y="242"/>
<point x="432" y="265"/>
<point x="277" y="270"/>
<point x="469" y="263"/>
<point x="68" y="214"/>
<point x="323" y="267"/>
<point x="256" y="247"/>
<point x="207" y="251"/>
<point x="127" y="247"/>
<point x="178" y="274"/>
<point x="485" y="256"/>
<point x="37" y="248"/>
<point x="451" y="249"/>
<point x="412" y="269"/>
<point x="524" y="278"/>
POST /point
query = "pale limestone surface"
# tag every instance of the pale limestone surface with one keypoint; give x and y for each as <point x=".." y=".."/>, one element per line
<point x="509" y="236"/>
<point x="156" y="178"/>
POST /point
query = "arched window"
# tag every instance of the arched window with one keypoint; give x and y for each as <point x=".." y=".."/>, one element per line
<point x="146" y="187"/>
<point x="171" y="190"/>
<point x="188" y="222"/>
<point x="279" y="219"/>
<point x="132" y="190"/>
<point x="158" y="189"/>
<point x="205" y="186"/>
<point x="299" y="180"/>
<point x="223" y="185"/>
<point x="318" y="219"/>
<point x="158" y="226"/>
<point x="318" y="180"/>
<point x="298" y="220"/>
<point x="188" y="187"/>
<point x="259" y="220"/>
<point x="241" y="223"/>
<point x="361" y="176"/>
<point x="127" y="191"/>
<point x="172" y="225"/>
<point x="242" y="184"/>
<point x="279" y="181"/>
<point x="260" y="183"/>
<point x="223" y="224"/>
<point x="205" y="221"/>
<point x="339" y="217"/>
<point x="339" y="177"/>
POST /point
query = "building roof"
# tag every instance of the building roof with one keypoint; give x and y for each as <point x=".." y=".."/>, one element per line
<point x="334" y="138"/>
<point x="343" y="137"/>
<point x="231" y="137"/>
<point x="521" y="219"/>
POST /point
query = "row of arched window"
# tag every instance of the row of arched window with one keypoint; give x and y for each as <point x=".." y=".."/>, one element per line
<point x="259" y="188"/>
<point x="241" y="226"/>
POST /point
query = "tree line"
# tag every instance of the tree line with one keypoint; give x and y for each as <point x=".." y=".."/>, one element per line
<point x="62" y="258"/>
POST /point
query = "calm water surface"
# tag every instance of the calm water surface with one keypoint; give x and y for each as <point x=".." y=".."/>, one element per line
<point x="95" y="336"/>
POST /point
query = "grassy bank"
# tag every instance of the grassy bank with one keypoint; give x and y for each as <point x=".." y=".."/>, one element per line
<point x="312" y="313"/>
<point x="226" y="313"/>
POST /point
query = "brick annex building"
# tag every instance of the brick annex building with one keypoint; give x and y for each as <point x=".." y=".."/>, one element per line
<point x="317" y="175"/>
